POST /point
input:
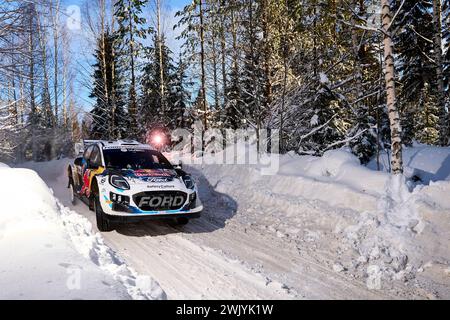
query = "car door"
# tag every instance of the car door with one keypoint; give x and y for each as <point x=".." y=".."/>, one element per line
<point x="80" y="168"/>
<point x="94" y="167"/>
<point x="85" y="172"/>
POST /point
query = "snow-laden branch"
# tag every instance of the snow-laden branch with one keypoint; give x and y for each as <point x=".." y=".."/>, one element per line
<point x="316" y="129"/>
<point x="334" y="144"/>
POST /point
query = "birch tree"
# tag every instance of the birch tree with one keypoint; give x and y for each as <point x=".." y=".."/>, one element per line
<point x="438" y="60"/>
<point x="391" y="102"/>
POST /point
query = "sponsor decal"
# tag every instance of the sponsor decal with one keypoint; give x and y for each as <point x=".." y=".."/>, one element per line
<point x="161" y="187"/>
<point x="151" y="173"/>
<point x="87" y="180"/>
<point x="159" y="179"/>
<point x="86" y="183"/>
<point x="161" y="201"/>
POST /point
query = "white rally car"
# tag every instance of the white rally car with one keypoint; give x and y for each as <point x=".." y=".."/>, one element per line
<point x="125" y="181"/>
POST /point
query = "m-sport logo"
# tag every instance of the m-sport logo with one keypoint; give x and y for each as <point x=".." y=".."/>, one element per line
<point x="159" y="179"/>
<point x="166" y="201"/>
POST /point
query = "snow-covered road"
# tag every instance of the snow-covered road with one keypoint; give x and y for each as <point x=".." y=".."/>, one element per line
<point x="226" y="255"/>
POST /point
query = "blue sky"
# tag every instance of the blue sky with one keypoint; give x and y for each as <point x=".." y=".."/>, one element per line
<point x="81" y="45"/>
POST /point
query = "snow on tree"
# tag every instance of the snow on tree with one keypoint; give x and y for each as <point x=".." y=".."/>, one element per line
<point x="110" y="120"/>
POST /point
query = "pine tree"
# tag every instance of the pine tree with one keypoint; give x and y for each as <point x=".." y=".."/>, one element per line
<point x="154" y="108"/>
<point x="193" y="18"/>
<point x="363" y="121"/>
<point x="179" y="98"/>
<point x="414" y="30"/>
<point x="131" y="30"/>
<point x="427" y="118"/>
<point x="109" y="116"/>
<point x="249" y="93"/>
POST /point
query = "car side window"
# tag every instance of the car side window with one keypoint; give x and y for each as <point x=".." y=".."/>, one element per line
<point x="88" y="152"/>
<point x="95" y="158"/>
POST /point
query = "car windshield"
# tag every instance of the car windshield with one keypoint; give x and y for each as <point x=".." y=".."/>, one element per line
<point x="135" y="159"/>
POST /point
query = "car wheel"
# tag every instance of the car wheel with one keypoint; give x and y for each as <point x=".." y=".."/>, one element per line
<point x="103" y="224"/>
<point x="73" y="197"/>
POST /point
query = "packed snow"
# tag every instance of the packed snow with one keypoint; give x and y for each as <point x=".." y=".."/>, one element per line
<point x="50" y="252"/>
<point x="320" y="228"/>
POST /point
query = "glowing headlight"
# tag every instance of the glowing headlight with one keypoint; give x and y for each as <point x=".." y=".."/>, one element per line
<point x="119" y="182"/>
<point x="157" y="139"/>
<point x="188" y="182"/>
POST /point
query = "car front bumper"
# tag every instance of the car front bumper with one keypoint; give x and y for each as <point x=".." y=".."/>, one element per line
<point x="127" y="213"/>
<point x="147" y="217"/>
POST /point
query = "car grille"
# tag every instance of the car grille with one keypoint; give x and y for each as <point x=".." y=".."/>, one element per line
<point x="160" y="200"/>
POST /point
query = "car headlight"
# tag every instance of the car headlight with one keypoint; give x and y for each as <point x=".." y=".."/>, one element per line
<point x="119" y="182"/>
<point x="189" y="182"/>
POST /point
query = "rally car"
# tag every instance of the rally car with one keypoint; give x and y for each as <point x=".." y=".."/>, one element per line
<point x="126" y="181"/>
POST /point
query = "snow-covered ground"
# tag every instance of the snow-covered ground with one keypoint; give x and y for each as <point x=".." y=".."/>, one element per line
<point x="321" y="228"/>
<point x="50" y="252"/>
<point x="428" y="163"/>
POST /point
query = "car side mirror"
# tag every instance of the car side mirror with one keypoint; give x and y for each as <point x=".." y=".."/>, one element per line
<point x="78" y="161"/>
<point x="179" y="165"/>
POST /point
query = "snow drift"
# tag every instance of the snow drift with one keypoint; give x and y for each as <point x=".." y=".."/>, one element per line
<point x="384" y="230"/>
<point x="426" y="163"/>
<point x="50" y="252"/>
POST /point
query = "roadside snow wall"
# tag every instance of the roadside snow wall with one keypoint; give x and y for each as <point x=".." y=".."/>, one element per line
<point x="50" y="252"/>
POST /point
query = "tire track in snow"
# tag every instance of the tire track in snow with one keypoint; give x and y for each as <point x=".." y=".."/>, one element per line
<point x="183" y="268"/>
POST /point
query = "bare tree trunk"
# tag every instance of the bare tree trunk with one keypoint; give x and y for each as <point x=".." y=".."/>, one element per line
<point x="33" y="116"/>
<point x="14" y="89"/>
<point x="202" y="60"/>
<point x="103" y="56"/>
<point x="114" y="134"/>
<point x="214" y="65"/>
<point x="358" y="68"/>
<point x="55" y="16"/>
<point x="285" y="50"/>
<point x="133" y="103"/>
<point x="223" y="54"/>
<point x="394" y="117"/>
<point x="46" y="84"/>
<point x="267" y="53"/>
<point x="315" y="65"/>
<point x="437" y="22"/>
<point x="65" y="62"/>
<point x="161" y="67"/>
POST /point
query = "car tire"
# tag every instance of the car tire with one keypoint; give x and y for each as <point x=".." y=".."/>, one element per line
<point x="103" y="224"/>
<point x="73" y="195"/>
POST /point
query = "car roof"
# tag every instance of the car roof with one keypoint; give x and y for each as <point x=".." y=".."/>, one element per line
<point x="118" y="144"/>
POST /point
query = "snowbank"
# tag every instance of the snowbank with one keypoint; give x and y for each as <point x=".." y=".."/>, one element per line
<point x="379" y="228"/>
<point x="337" y="178"/>
<point x="428" y="163"/>
<point x="49" y="252"/>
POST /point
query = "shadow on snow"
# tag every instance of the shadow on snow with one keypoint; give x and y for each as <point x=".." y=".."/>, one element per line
<point x="218" y="208"/>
